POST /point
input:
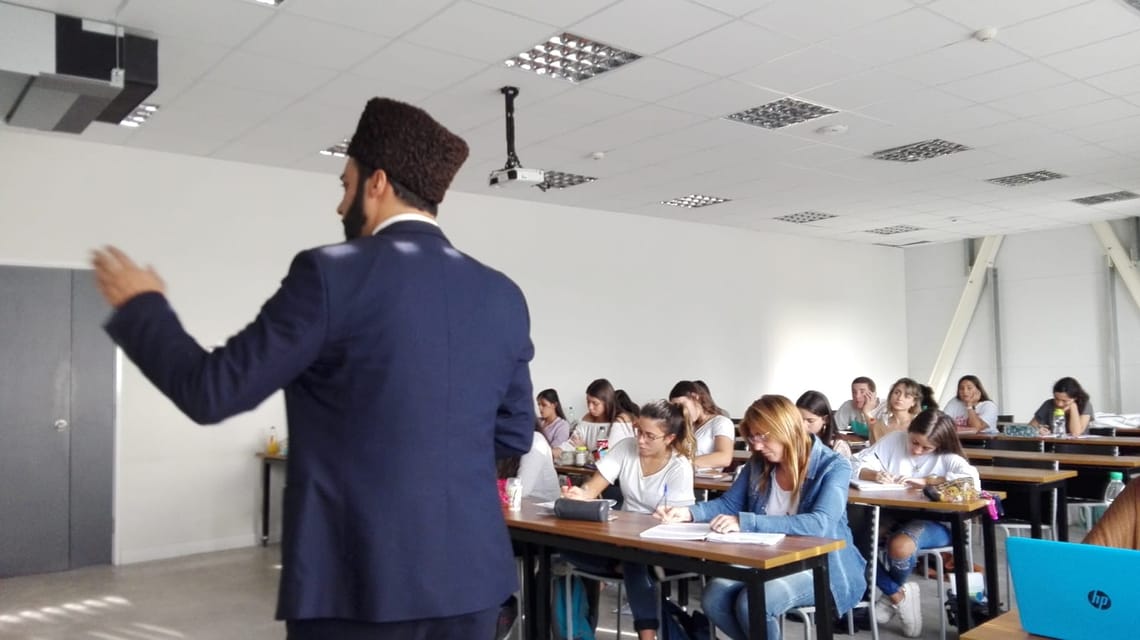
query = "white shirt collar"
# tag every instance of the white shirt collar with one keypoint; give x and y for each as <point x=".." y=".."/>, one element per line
<point x="405" y="217"/>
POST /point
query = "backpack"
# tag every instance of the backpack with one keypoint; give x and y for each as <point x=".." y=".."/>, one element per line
<point x="680" y="625"/>
<point x="579" y="610"/>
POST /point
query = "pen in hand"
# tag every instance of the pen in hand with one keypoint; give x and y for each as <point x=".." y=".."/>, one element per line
<point x="664" y="502"/>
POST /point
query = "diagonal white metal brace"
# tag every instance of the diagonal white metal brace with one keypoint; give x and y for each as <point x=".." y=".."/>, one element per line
<point x="1120" y="259"/>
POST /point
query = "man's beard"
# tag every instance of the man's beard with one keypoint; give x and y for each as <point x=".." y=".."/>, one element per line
<point x="354" y="220"/>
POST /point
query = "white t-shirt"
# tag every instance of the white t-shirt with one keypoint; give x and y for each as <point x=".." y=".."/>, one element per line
<point x="706" y="433"/>
<point x="779" y="500"/>
<point x="591" y="432"/>
<point x="892" y="454"/>
<point x="987" y="410"/>
<point x="536" y="471"/>
<point x="672" y="485"/>
<point x="847" y="413"/>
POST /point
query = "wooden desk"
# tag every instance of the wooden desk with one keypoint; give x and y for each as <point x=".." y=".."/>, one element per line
<point x="1007" y="626"/>
<point x="720" y="483"/>
<point x="1079" y="460"/>
<point x="267" y="462"/>
<point x="1091" y="441"/>
<point x="1034" y="483"/>
<point x="957" y="514"/>
<point x="620" y="539"/>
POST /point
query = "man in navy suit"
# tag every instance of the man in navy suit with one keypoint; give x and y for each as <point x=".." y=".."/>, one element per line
<point x="405" y="365"/>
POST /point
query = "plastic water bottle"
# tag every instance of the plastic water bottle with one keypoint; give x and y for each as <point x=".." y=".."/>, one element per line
<point x="1115" y="486"/>
<point x="570" y="417"/>
<point x="1059" y="422"/>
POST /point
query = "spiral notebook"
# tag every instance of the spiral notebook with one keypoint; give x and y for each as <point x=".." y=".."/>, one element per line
<point x="701" y="531"/>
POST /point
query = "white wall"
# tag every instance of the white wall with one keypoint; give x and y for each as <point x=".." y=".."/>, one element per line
<point x="639" y="300"/>
<point x="1053" y="310"/>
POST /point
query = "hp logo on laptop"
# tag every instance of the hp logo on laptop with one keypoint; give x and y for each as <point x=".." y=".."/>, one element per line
<point x="1099" y="600"/>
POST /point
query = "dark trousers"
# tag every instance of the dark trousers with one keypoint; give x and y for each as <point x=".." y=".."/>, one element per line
<point x="471" y="626"/>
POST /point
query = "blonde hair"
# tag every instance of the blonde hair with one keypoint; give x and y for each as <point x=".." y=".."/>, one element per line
<point x="778" y="417"/>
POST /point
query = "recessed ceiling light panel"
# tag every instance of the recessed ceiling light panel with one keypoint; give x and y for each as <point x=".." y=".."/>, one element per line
<point x="571" y="58"/>
<point x="1022" y="179"/>
<point x="1115" y="196"/>
<point x="338" y="150"/>
<point x="139" y="116"/>
<point x="561" y="180"/>
<point x="694" y="201"/>
<point x="781" y="113"/>
<point x="924" y="150"/>
<point x="898" y="228"/>
<point x="805" y="217"/>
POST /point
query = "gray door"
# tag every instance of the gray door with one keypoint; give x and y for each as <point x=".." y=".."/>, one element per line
<point x="47" y="469"/>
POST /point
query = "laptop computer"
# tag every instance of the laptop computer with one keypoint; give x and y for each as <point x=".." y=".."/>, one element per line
<point x="1075" y="591"/>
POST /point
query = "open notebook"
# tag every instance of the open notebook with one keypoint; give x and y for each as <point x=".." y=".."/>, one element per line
<point x="871" y="485"/>
<point x="700" y="531"/>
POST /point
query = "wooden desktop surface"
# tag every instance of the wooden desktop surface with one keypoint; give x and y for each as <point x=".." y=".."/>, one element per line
<point x="1092" y="441"/>
<point x="1007" y="626"/>
<point x="626" y="530"/>
<point x="1073" y="459"/>
<point x="1027" y="476"/>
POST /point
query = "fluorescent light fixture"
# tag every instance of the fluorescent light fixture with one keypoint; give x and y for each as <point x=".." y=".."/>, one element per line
<point x="694" y="201"/>
<point x="561" y="180"/>
<point x="571" y="58"/>
<point x="139" y="116"/>
<point x="781" y="113"/>
<point x="269" y="3"/>
<point x="805" y="217"/>
<point x="924" y="150"/>
<point x="898" y="228"/>
<point x="1115" y="196"/>
<point x="338" y="150"/>
<point x="1022" y="179"/>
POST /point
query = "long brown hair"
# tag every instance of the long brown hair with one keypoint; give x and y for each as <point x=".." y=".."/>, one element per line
<point x="698" y="394"/>
<point x="674" y="423"/>
<point x="780" y="419"/>
<point x="939" y="429"/>
<point x="604" y="391"/>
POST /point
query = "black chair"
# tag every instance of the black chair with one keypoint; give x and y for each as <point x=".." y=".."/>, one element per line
<point x="1086" y="493"/>
<point x="1016" y="520"/>
<point x="1006" y="444"/>
<point x="1102" y="431"/>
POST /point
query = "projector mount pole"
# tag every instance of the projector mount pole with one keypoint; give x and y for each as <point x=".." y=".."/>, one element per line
<point x="509" y="94"/>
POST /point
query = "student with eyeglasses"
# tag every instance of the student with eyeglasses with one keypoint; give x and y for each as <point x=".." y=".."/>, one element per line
<point x="928" y="452"/>
<point x="793" y="484"/>
<point x="654" y="469"/>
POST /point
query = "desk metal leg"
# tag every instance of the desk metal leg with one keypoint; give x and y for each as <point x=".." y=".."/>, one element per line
<point x="542" y="595"/>
<point x="757" y="609"/>
<point x="961" y="571"/>
<point x="1062" y="507"/>
<point x="264" y="503"/>
<point x="1034" y="511"/>
<point x="990" y="554"/>
<point x="530" y="597"/>
<point x="824" y="612"/>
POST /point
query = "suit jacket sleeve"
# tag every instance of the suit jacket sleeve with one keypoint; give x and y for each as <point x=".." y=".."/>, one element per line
<point x="209" y="387"/>
<point x="515" y="420"/>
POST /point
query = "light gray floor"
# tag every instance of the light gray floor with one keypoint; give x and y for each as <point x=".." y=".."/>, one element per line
<point x="229" y="596"/>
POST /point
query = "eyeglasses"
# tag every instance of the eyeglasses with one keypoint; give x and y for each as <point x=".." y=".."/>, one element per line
<point x="758" y="438"/>
<point x="642" y="435"/>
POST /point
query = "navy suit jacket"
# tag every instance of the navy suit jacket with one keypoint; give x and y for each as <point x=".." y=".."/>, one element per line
<point x="405" y="365"/>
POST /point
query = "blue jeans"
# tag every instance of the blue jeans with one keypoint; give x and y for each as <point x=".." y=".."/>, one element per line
<point x="640" y="585"/>
<point x="926" y="535"/>
<point x="725" y="602"/>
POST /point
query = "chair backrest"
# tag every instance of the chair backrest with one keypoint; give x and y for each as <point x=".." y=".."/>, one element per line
<point x="1003" y="444"/>
<point x="1102" y="431"/>
<point x="1093" y="449"/>
<point x="1026" y="464"/>
<point x="1005" y="417"/>
<point x="739" y="444"/>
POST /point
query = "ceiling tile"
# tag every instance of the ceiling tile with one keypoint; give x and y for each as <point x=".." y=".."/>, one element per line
<point x="1009" y="81"/>
<point x="315" y="43"/>
<point x="731" y="48"/>
<point x="863" y="89"/>
<point x="1121" y="82"/>
<point x="972" y="13"/>
<point x="1109" y="129"/>
<point x="623" y="25"/>
<point x="1065" y="96"/>
<point x="500" y="35"/>
<point x="649" y="79"/>
<point x="584" y="105"/>
<point x="822" y="19"/>
<point x="262" y="73"/>
<point x="927" y="106"/>
<point x="1075" y="27"/>
<point x="802" y="70"/>
<point x="1089" y="115"/>
<point x="181" y="63"/>
<point x="899" y="36"/>
<point x="417" y="66"/>
<point x="734" y="7"/>
<point x="553" y="13"/>
<point x="629" y="127"/>
<point x="720" y="98"/>
<point x="388" y="18"/>
<point x="348" y="90"/>
<point x="956" y="61"/>
<point x="197" y="20"/>
<point x="103" y="10"/>
<point x="1097" y="58"/>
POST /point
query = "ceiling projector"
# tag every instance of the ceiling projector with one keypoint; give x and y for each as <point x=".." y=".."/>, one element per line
<point x="513" y="174"/>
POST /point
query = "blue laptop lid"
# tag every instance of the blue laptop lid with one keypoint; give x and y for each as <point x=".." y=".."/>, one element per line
<point x="1075" y="591"/>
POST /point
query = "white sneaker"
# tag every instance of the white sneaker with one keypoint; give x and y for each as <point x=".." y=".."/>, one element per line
<point x="885" y="610"/>
<point x="910" y="611"/>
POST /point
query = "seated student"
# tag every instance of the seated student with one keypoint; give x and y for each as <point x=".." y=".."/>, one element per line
<point x="819" y="421"/>
<point x="1120" y="524"/>
<point x="972" y="410"/>
<point x="627" y="408"/>
<point x="1076" y="410"/>
<point x="793" y="484"/>
<point x="535" y="469"/>
<point x="705" y="387"/>
<point x="551" y="419"/>
<point x="655" y="470"/>
<point x="928" y="452"/>
<point x="906" y="400"/>
<point x="601" y="420"/>
<point x="715" y="433"/>
<point x="862" y="410"/>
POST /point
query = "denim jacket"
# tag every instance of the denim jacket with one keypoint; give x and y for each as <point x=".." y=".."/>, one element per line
<point x="822" y="513"/>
